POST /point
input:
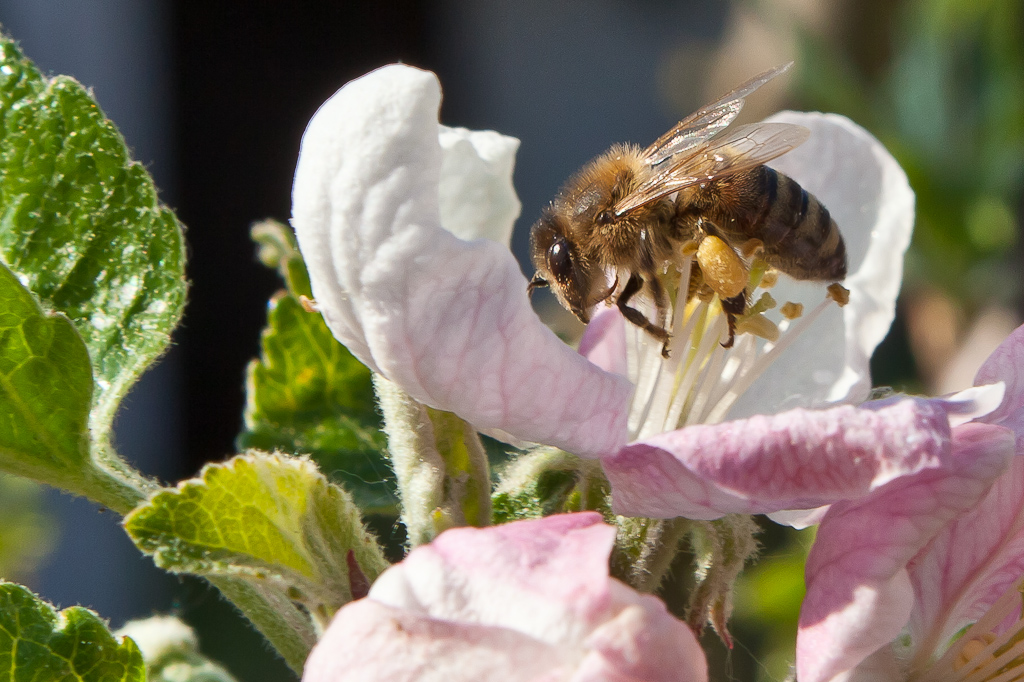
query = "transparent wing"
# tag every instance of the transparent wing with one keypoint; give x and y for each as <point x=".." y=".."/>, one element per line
<point x="739" y="150"/>
<point x="708" y="121"/>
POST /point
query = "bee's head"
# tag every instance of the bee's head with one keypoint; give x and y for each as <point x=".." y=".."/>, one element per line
<point x="576" y="281"/>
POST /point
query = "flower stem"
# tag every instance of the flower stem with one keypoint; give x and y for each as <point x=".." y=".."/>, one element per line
<point x="440" y="465"/>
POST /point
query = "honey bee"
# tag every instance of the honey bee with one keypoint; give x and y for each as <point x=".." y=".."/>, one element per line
<point x="699" y="190"/>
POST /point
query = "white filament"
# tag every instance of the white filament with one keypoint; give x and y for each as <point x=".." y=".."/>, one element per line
<point x="701" y="380"/>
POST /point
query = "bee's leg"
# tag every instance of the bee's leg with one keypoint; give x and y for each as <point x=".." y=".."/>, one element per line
<point x="661" y="303"/>
<point x="633" y="285"/>
<point x="732" y="307"/>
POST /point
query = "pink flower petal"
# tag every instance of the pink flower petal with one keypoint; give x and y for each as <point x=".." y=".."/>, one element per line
<point x="1006" y="364"/>
<point x="799" y="459"/>
<point x="538" y="577"/>
<point x="447" y="320"/>
<point x="859" y="596"/>
<point x="643" y="642"/>
<point x="974" y="559"/>
<point x="969" y="563"/>
<point x="530" y="600"/>
<point x="369" y="642"/>
<point x="604" y="341"/>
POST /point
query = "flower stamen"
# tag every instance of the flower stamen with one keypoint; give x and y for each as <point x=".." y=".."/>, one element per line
<point x="701" y="380"/>
<point x="988" y="651"/>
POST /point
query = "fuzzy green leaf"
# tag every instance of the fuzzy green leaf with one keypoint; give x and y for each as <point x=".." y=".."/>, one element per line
<point x="269" y="522"/>
<point x="46" y="385"/>
<point x="82" y="226"/>
<point x="37" y="643"/>
<point x="307" y="394"/>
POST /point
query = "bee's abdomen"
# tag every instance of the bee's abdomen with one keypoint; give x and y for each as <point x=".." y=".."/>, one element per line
<point x="799" y="235"/>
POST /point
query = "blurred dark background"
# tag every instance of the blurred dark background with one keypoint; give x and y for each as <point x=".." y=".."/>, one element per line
<point x="214" y="96"/>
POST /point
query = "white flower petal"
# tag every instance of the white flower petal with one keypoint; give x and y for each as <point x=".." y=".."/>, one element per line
<point x="447" y="320"/>
<point x="476" y="192"/>
<point x="869" y="197"/>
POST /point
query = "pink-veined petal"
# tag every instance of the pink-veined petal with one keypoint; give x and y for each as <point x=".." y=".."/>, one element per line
<point x="1006" y="364"/>
<point x="799" y="459"/>
<point x="369" y="641"/>
<point x="859" y="596"/>
<point x="868" y="195"/>
<point x="831" y="648"/>
<point x="604" y="341"/>
<point x="969" y="563"/>
<point x="447" y="320"/>
<point x="643" y="642"/>
<point x="529" y="600"/>
<point x="547" y="578"/>
<point x="974" y="559"/>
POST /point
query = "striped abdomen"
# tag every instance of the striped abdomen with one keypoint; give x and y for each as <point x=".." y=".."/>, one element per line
<point x="800" y="238"/>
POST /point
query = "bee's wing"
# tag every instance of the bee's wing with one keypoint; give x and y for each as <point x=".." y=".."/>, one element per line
<point x="738" y="150"/>
<point x="708" y="121"/>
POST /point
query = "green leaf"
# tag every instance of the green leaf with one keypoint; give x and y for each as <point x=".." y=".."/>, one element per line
<point x="28" y="533"/>
<point x="46" y="387"/>
<point x="37" y="643"/>
<point x="83" y="227"/>
<point x="46" y="384"/>
<point x="273" y="525"/>
<point x="309" y="395"/>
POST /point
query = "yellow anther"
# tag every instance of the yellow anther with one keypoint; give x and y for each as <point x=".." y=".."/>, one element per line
<point x="791" y="310"/>
<point x="970" y="652"/>
<point x="838" y="293"/>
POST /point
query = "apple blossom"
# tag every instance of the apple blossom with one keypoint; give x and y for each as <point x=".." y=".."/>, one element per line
<point x="918" y="560"/>
<point x="529" y="600"/>
<point x="448" y="321"/>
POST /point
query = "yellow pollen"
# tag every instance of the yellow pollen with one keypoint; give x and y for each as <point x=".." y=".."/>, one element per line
<point x="769" y="279"/>
<point x="791" y="310"/>
<point x="723" y="270"/>
<point x="838" y="293"/>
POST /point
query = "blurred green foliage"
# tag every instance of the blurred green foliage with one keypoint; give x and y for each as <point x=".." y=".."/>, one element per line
<point x="941" y="83"/>
<point x="28" y="532"/>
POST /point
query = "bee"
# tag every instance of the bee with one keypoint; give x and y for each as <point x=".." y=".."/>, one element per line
<point x="700" y="190"/>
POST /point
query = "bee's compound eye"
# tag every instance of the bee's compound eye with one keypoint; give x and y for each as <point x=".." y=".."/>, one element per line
<point x="605" y="218"/>
<point x="559" y="261"/>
